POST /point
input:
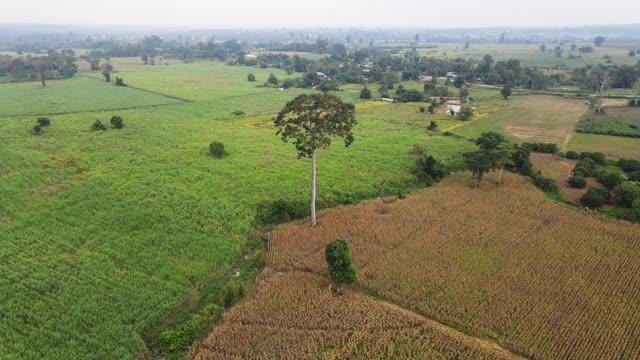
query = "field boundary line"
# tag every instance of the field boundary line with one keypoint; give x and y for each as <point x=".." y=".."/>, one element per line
<point x="145" y="90"/>
<point x="443" y="327"/>
<point x="89" y="111"/>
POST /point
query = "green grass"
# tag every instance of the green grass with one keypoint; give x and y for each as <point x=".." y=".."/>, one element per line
<point x="530" y="54"/>
<point x="104" y="233"/>
<point x="72" y="95"/>
<point x="205" y="81"/>
<point x="618" y="121"/>
<point x="612" y="146"/>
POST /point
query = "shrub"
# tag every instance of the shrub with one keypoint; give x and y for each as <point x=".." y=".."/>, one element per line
<point x="629" y="165"/>
<point x="585" y="168"/>
<point x="577" y="181"/>
<point x="328" y="85"/>
<point x="428" y="169"/>
<point x="238" y="113"/>
<point x="281" y="211"/>
<point x="610" y="179"/>
<point x="341" y="268"/>
<point x="44" y="121"/>
<point x="120" y="82"/>
<point x="273" y="80"/>
<point x="365" y="93"/>
<point x="572" y="155"/>
<point x="634" y="176"/>
<point x="595" y="197"/>
<point x="183" y="335"/>
<point x="626" y="193"/>
<point x="116" y="122"/>
<point x="466" y="113"/>
<point x="233" y="293"/>
<point x="422" y="109"/>
<point x="597" y="157"/>
<point x="37" y="129"/>
<point x="216" y="149"/>
<point x="411" y="96"/>
<point x="547" y="148"/>
<point x="635" y="210"/>
<point x="251" y="77"/>
<point x="98" y="126"/>
<point x="433" y="126"/>
<point x="545" y="184"/>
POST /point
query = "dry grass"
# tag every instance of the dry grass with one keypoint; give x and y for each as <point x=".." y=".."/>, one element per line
<point x="560" y="169"/>
<point x="535" y="118"/>
<point x="500" y="262"/>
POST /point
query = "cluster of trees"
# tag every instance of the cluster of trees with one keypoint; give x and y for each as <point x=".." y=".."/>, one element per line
<point x="347" y="65"/>
<point x="496" y="153"/>
<point x="594" y="78"/>
<point x="54" y="65"/>
<point x="620" y="181"/>
<point x="116" y="122"/>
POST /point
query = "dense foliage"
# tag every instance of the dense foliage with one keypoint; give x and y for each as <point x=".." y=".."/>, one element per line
<point x="341" y="268"/>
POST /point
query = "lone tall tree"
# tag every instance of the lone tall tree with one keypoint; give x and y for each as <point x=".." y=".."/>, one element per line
<point x="311" y="121"/>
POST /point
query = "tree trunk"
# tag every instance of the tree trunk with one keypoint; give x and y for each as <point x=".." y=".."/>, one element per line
<point x="500" y="176"/>
<point x="313" y="188"/>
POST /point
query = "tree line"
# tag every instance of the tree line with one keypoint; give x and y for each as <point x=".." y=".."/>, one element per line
<point x="56" y="64"/>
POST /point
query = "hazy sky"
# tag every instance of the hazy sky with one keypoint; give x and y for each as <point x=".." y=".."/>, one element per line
<point x="324" y="13"/>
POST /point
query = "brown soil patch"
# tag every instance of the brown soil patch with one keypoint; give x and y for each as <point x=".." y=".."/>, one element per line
<point x="540" y="118"/>
<point x="560" y="169"/>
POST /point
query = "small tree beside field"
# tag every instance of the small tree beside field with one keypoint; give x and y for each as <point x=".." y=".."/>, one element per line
<point x="341" y="268"/>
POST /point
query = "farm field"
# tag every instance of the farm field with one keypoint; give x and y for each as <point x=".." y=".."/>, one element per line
<point x="530" y="54"/>
<point x="523" y="271"/>
<point x="532" y="118"/>
<point x="617" y="121"/>
<point x="203" y="81"/>
<point x="613" y="146"/>
<point x="560" y="169"/>
<point x="295" y="315"/>
<point x="102" y="233"/>
<point x="72" y="95"/>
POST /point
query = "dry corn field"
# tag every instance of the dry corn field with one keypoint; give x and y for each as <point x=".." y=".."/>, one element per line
<point x="294" y="315"/>
<point x="501" y="263"/>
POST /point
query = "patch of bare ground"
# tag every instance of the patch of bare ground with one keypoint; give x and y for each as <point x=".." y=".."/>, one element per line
<point x="542" y="118"/>
<point x="560" y="169"/>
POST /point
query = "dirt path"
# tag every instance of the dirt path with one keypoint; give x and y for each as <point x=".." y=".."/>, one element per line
<point x="567" y="137"/>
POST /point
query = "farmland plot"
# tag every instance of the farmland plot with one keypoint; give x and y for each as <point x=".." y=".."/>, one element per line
<point x="530" y="118"/>
<point x="295" y="315"/>
<point x="103" y="233"/>
<point x="499" y="262"/>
